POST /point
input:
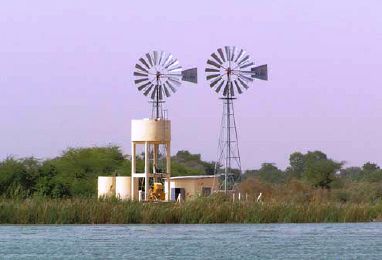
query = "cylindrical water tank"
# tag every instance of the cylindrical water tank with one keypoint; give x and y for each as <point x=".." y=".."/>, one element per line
<point x="149" y="130"/>
<point x="123" y="187"/>
<point x="106" y="186"/>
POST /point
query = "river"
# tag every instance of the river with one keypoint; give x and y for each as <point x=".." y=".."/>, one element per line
<point x="218" y="241"/>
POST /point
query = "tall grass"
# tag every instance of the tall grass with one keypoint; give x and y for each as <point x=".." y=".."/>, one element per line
<point x="202" y="210"/>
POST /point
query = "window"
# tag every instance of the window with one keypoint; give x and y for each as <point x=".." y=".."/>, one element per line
<point x="206" y="191"/>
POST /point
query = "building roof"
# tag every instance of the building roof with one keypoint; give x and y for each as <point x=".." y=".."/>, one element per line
<point x="193" y="177"/>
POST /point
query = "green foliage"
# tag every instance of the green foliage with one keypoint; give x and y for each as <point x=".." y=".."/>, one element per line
<point x="311" y="176"/>
<point x="75" y="172"/>
<point x="370" y="172"/>
<point x="18" y="176"/>
<point x="185" y="163"/>
<point x="314" y="167"/>
<point x="296" y="161"/>
<point x="267" y="173"/>
<point x="320" y="171"/>
<point x="370" y="167"/>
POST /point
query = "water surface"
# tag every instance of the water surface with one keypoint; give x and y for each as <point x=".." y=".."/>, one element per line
<point x="221" y="241"/>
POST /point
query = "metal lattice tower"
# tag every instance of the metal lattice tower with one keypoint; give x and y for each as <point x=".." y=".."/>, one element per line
<point x="229" y="72"/>
<point x="228" y="163"/>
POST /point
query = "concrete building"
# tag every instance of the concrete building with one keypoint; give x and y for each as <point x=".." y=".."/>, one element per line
<point x="192" y="186"/>
<point x="188" y="186"/>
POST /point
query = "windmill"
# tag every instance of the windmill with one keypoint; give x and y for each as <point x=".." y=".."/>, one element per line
<point x="158" y="75"/>
<point x="230" y="72"/>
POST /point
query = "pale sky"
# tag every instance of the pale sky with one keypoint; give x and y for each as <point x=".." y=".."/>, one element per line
<point x="66" y="75"/>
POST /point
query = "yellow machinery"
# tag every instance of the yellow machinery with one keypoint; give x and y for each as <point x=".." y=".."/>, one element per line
<point x="157" y="193"/>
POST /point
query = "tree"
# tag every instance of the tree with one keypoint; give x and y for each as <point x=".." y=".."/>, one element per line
<point x="296" y="161"/>
<point x="18" y="176"/>
<point x="267" y="173"/>
<point x="320" y="173"/>
<point x="371" y="172"/>
<point x="352" y="173"/>
<point x="369" y="167"/>
<point x="186" y="163"/>
<point x="314" y="167"/>
<point x="75" y="172"/>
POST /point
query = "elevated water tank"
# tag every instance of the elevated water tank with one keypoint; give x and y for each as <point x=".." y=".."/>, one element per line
<point x="149" y="130"/>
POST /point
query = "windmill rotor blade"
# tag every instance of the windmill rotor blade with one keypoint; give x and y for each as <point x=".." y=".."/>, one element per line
<point x="161" y="54"/>
<point x="225" y="91"/>
<point x="171" y="87"/>
<point x="175" y="68"/>
<point x="173" y="64"/>
<point x="177" y="83"/>
<point x="231" y="89"/>
<point x="175" y="78"/>
<point x="154" y="93"/>
<point x="167" y="60"/>
<point x="247" y="65"/>
<point x="239" y="55"/>
<point x="160" y="91"/>
<point x="244" y="84"/>
<point x="190" y="75"/>
<point x="238" y="87"/>
<point x="220" y="86"/>
<point x="227" y="53"/>
<point x="211" y="70"/>
<point x="155" y="60"/>
<point x="142" y="60"/>
<point x="212" y="76"/>
<point x="243" y="60"/>
<point x="140" y="80"/>
<point x="213" y="55"/>
<point x="170" y="63"/>
<point x="166" y="92"/>
<point x="210" y="62"/>
<point x="233" y="53"/>
<point x="215" y="81"/>
<point x="221" y="54"/>
<point x="140" y="74"/>
<point x="139" y="67"/>
<point x="140" y="88"/>
<point x="244" y="77"/>
<point x="147" y="91"/>
<point x="260" y="72"/>
<point x="148" y="56"/>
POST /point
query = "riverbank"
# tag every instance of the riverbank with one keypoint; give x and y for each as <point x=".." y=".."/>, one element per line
<point x="203" y="210"/>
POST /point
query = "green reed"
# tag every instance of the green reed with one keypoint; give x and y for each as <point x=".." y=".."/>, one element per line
<point x="200" y="210"/>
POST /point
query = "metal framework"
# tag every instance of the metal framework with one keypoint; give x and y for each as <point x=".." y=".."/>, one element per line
<point x="229" y="72"/>
<point x="228" y="164"/>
